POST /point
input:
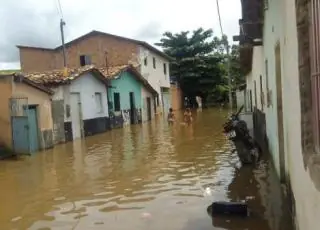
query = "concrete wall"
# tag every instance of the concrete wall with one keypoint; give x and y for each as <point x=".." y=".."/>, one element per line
<point x="144" y="95"/>
<point x="155" y="76"/>
<point x="87" y="85"/>
<point x="43" y="102"/>
<point x="10" y="89"/>
<point x="304" y="179"/>
<point x="281" y="29"/>
<point x="240" y="95"/>
<point x="124" y="84"/>
<point x="272" y="36"/>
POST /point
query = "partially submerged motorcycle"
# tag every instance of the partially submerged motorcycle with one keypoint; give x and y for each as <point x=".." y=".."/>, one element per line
<point x="238" y="132"/>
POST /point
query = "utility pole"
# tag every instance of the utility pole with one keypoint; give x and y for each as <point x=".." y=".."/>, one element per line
<point x="229" y="75"/>
<point x="62" y="24"/>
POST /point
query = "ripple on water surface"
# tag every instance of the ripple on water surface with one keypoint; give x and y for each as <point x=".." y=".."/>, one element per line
<point x="149" y="176"/>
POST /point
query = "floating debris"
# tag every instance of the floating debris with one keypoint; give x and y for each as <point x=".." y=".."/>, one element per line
<point x="16" y="219"/>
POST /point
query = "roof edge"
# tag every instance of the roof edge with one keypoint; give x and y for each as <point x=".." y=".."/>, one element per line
<point x="33" y="47"/>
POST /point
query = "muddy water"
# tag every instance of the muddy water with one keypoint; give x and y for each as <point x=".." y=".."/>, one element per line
<point x="150" y="176"/>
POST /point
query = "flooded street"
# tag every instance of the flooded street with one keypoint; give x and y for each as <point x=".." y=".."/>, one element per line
<point x="150" y="176"/>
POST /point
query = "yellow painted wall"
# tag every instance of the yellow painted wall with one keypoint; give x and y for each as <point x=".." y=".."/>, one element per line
<point x="36" y="97"/>
<point x="5" y="122"/>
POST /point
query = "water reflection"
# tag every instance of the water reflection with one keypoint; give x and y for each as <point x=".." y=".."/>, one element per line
<point x="149" y="176"/>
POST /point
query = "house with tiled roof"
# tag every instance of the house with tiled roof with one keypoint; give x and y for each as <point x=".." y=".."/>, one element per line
<point x="105" y="50"/>
<point x="90" y="100"/>
<point x="79" y="102"/>
<point x="25" y="115"/>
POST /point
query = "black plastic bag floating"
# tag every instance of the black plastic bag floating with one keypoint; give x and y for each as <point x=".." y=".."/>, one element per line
<point x="228" y="208"/>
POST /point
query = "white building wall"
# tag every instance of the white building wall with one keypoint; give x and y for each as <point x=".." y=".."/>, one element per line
<point x="87" y="85"/>
<point x="155" y="76"/>
<point x="240" y="98"/>
<point x="306" y="195"/>
<point x="272" y="34"/>
<point x="280" y="27"/>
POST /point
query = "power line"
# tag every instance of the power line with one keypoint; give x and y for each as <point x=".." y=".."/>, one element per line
<point x="228" y="56"/>
<point x="58" y="7"/>
<point x="218" y="9"/>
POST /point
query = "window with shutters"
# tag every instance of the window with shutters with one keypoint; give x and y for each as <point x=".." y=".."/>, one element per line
<point x="85" y="60"/>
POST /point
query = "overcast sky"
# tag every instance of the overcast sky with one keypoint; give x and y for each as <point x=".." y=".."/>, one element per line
<point x="36" y="22"/>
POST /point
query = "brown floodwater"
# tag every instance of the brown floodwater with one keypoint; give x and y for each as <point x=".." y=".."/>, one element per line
<point x="144" y="177"/>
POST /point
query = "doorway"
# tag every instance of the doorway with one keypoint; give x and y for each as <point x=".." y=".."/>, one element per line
<point x="76" y="115"/>
<point x="20" y="125"/>
<point x="33" y="128"/>
<point x="280" y="112"/>
<point x="148" y="108"/>
<point x="132" y="108"/>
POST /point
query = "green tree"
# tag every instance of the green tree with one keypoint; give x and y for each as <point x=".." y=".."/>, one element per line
<point x="199" y="63"/>
<point x="235" y="68"/>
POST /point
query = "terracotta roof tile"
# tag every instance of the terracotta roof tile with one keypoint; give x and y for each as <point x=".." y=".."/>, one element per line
<point x="57" y="77"/>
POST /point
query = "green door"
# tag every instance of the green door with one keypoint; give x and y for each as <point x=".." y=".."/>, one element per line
<point x="33" y="129"/>
<point x="20" y="135"/>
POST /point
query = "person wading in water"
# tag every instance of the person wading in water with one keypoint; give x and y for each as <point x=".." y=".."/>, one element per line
<point x="170" y="116"/>
<point x="187" y="116"/>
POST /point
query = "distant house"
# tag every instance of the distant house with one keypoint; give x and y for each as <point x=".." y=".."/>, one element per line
<point x="25" y="115"/>
<point x="104" y="50"/>
<point x="131" y="96"/>
<point x="80" y="105"/>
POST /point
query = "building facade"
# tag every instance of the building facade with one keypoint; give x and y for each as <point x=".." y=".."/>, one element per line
<point x="104" y="50"/>
<point x="283" y="81"/>
<point x="131" y="97"/>
<point x="25" y="114"/>
<point x="79" y="103"/>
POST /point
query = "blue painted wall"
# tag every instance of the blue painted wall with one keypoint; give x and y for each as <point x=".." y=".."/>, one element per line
<point x="125" y="84"/>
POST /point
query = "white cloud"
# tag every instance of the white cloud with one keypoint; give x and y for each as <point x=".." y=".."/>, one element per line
<point x="36" y="22"/>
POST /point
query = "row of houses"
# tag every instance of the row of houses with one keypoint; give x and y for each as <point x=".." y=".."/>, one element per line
<point x="280" y="55"/>
<point x="109" y="82"/>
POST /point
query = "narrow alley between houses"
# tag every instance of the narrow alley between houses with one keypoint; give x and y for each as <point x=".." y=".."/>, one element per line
<point x="147" y="176"/>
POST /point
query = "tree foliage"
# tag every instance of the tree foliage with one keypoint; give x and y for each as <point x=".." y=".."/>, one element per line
<point x="200" y="63"/>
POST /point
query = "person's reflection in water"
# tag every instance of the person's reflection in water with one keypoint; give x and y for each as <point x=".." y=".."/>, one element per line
<point x="189" y="132"/>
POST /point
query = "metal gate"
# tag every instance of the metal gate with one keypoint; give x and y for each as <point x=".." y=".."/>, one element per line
<point x="19" y="124"/>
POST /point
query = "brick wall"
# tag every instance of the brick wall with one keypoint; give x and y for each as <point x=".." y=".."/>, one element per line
<point x="119" y="52"/>
<point x="36" y="59"/>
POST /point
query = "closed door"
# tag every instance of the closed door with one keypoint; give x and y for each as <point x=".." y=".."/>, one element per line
<point x="149" y="108"/>
<point x="132" y="108"/>
<point x="75" y="115"/>
<point x="20" y="134"/>
<point x="33" y="129"/>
